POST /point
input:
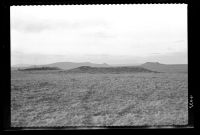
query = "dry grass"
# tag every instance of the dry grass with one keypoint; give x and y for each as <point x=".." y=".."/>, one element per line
<point x="56" y="99"/>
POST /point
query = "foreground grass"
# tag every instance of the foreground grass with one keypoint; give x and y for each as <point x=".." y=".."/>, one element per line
<point x="56" y="99"/>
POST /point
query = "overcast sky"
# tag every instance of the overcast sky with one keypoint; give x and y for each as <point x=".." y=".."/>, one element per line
<point x="112" y="34"/>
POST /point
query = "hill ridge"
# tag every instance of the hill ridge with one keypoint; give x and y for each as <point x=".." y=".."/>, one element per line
<point x="88" y="69"/>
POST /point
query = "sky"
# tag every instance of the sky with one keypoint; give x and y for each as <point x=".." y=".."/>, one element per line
<point x="112" y="34"/>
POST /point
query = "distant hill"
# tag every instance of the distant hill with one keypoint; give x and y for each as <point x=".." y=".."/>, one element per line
<point x="112" y="70"/>
<point x="39" y="68"/>
<point x="91" y="67"/>
<point x="61" y="65"/>
<point x="20" y="66"/>
<point x="168" y="68"/>
<point x="71" y="65"/>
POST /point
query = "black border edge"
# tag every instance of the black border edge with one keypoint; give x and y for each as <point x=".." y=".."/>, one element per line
<point x="191" y="92"/>
<point x="77" y="2"/>
<point x="5" y="55"/>
<point x="6" y="49"/>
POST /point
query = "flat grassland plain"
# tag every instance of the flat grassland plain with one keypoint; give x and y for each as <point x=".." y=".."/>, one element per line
<point x="52" y="98"/>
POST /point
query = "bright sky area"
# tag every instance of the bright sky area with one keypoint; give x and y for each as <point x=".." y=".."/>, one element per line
<point x="112" y="34"/>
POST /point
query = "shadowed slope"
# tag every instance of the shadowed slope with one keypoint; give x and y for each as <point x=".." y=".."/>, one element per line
<point x="112" y="70"/>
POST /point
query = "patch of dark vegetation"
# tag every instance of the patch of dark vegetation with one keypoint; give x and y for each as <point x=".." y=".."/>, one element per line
<point x="15" y="106"/>
<point x="15" y="88"/>
<point x="111" y="70"/>
<point x="44" y="84"/>
<point x="102" y="113"/>
<point x="85" y="105"/>
<point x="39" y="68"/>
<point x="126" y="110"/>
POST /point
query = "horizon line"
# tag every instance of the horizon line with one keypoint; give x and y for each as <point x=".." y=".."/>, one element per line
<point x="101" y="63"/>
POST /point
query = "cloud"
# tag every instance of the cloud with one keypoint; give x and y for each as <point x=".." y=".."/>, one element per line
<point x="109" y="30"/>
<point x="35" y="25"/>
<point x="179" y="41"/>
<point x="29" y="26"/>
<point x="156" y="53"/>
<point x="98" y="34"/>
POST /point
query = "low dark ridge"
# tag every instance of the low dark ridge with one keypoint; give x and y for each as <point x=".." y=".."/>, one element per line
<point x="112" y="70"/>
<point x="39" y="68"/>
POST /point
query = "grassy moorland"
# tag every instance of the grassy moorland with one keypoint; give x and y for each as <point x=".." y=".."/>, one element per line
<point x="48" y="98"/>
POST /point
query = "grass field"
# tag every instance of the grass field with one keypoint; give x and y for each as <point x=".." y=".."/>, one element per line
<point x="48" y="98"/>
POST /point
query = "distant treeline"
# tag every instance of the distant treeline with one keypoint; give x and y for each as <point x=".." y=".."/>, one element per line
<point x="39" y="68"/>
